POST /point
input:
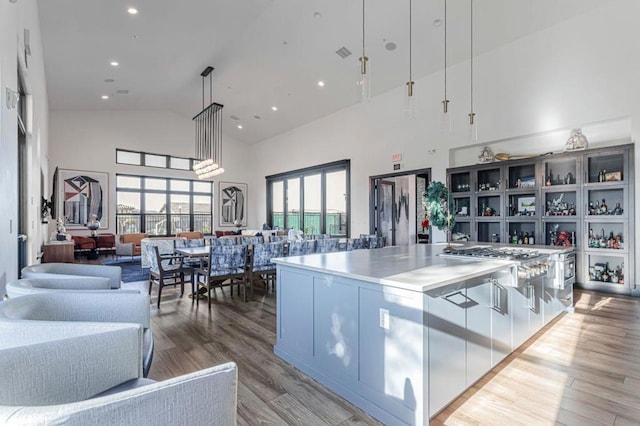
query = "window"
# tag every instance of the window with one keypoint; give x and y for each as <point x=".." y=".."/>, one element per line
<point x="138" y="158"/>
<point x="163" y="206"/>
<point x="315" y="199"/>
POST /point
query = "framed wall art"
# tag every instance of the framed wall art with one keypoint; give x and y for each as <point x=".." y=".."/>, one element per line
<point x="82" y="196"/>
<point x="233" y="199"/>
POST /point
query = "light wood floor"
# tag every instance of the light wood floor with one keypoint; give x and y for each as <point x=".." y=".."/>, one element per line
<point x="583" y="368"/>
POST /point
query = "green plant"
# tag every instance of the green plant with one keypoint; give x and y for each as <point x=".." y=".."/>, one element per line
<point x="438" y="204"/>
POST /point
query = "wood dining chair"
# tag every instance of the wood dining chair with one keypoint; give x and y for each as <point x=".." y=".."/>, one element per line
<point x="227" y="265"/>
<point x="262" y="268"/>
<point x="168" y="270"/>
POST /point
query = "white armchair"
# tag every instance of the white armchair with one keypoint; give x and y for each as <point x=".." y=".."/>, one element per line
<point x="69" y="270"/>
<point x="27" y="286"/>
<point x="98" y="306"/>
<point x="89" y="373"/>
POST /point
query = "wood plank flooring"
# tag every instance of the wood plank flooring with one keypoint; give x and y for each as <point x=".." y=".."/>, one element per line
<point x="582" y="369"/>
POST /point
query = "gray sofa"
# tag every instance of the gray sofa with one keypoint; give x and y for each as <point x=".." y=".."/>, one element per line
<point x="69" y="270"/>
<point x="91" y="375"/>
<point x="87" y="306"/>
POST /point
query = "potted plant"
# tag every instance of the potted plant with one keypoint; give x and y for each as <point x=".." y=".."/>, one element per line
<point x="438" y="205"/>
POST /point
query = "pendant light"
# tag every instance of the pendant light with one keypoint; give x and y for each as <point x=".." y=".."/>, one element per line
<point x="409" y="97"/>
<point x="208" y="135"/>
<point x="445" y="116"/>
<point x="363" y="83"/>
<point x="473" y="122"/>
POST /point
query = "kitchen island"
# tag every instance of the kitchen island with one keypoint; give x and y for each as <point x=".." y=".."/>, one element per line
<point x="401" y="331"/>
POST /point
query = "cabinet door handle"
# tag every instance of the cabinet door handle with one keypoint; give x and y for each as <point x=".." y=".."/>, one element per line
<point x="496" y="295"/>
<point x="531" y="297"/>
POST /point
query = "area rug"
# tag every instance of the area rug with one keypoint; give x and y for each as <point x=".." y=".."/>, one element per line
<point x="131" y="270"/>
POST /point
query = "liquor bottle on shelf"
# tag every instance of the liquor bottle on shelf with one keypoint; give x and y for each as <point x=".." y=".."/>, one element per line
<point x="531" y="239"/>
<point x="514" y="239"/>
<point x="526" y="238"/>
<point x="520" y="238"/>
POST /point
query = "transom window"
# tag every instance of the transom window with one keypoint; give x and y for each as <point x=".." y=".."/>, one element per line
<point x="314" y="200"/>
<point x="138" y="158"/>
<point x="163" y="206"/>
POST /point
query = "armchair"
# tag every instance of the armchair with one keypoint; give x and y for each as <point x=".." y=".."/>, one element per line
<point x="27" y="286"/>
<point x="129" y="244"/>
<point x="90" y="306"/>
<point x="71" y="270"/>
<point x="93" y="377"/>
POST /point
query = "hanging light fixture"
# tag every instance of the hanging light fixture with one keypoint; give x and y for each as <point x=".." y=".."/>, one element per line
<point x="445" y="116"/>
<point x="363" y="83"/>
<point x="208" y="135"/>
<point x="409" y="96"/>
<point x="473" y="125"/>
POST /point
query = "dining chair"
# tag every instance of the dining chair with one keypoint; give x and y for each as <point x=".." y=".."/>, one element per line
<point x="251" y="240"/>
<point x="261" y="266"/>
<point x="277" y="238"/>
<point x="227" y="265"/>
<point x="327" y="245"/>
<point x="358" y="243"/>
<point x="376" y="242"/>
<point x="301" y="248"/>
<point x="168" y="270"/>
<point x="226" y="241"/>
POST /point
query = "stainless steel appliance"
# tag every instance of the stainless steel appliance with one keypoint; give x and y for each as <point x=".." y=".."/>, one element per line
<point x="562" y="278"/>
<point x="529" y="263"/>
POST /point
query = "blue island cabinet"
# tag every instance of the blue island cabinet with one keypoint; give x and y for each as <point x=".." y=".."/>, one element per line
<point x="366" y="342"/>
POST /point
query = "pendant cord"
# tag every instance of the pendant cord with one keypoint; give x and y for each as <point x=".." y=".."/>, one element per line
<point x="363" y="29"/>
<point x="410" y="45"/>
<point x="471" y="3"/>
<point x="445" y="50"/>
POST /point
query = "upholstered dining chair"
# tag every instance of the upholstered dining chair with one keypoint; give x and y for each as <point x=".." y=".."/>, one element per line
<point x="327" y="245"/>
<point x="277" y="238"/>
<point x="251" y="240"/>
<point x="168" y="271"/>
<point x="261" y="266"/>
<point x="227" y="265"/>
<point x="300" y="248"/>
<point x="358" y="244"/>
<point x="376" y="242"/>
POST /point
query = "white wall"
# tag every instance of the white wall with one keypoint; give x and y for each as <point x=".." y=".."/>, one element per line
<point x="87" y="140"/>
<point x="14" y="18"/>
<point x="579" y="72"/>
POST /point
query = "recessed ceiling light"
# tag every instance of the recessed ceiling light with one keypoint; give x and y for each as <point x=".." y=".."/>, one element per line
<point x="437" y="22"/>
<point x="321" y="83"/>
<point x="114" y="63"/>
<point x="390" y="46"/>
<point x="109" y="80"/>
<point x="257" y="117"/>
<point x="105" y="96"/>
<point x="239" y="126"/>
<point x="317" y="15"/>
<point x="274" y="108"/>
<point x="132" y="11"/>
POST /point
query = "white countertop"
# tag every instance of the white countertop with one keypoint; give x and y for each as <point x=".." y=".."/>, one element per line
<point x="416" y="267"/>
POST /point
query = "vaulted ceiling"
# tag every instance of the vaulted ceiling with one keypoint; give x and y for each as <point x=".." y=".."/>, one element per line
<point x="265" y="52"/>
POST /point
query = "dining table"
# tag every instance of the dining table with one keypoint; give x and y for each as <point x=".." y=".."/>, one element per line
<point x="199" y="253"/>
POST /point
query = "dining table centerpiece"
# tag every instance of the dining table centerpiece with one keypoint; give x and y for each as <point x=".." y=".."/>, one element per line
<point x="439" y="207"/>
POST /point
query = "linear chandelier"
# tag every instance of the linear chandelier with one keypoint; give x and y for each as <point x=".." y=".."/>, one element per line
<point x="208" y="135"/>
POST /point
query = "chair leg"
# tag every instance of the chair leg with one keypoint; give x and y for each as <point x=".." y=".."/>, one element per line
<point x="150" y="284"/>
<point x="160" y="285"/>
<point x="181" y="284"/>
